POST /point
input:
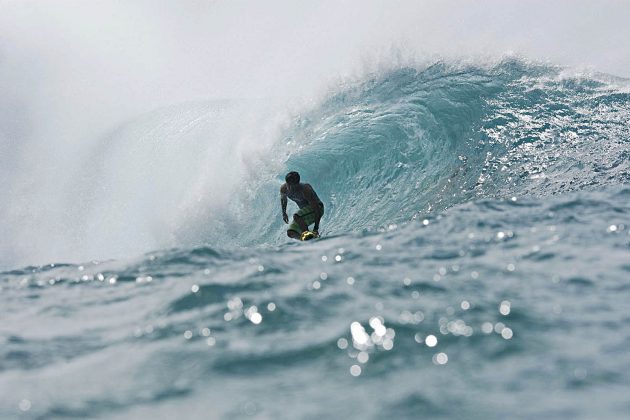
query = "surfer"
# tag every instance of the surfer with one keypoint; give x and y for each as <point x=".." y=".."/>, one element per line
<point x="311" y="207"/>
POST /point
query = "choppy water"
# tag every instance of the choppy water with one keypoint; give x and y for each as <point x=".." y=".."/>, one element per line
<point x="475" y="264"/>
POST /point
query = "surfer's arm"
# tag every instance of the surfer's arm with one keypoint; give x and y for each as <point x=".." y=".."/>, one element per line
<point x="317" y="219"/>
<point x="283" y="203"/>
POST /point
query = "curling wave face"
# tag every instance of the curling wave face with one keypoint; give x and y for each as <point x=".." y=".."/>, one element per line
<point x="402" y="144"/>
<point x="411" y="142"/>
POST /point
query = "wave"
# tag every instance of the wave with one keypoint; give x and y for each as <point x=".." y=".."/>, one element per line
<point x="415" y="141"/>
<point x="383" y="150"/>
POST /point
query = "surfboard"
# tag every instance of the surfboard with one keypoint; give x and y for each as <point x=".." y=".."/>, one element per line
<point x="307" y="235"/>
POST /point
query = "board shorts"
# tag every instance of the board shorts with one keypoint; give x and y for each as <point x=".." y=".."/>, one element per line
<point x="307" y="214"/>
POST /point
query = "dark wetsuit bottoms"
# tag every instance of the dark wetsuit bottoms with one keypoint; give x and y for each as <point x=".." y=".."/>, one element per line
<point x="308" y="215"/>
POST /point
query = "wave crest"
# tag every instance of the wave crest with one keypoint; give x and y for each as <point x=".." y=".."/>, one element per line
<point x="413" y="141"/>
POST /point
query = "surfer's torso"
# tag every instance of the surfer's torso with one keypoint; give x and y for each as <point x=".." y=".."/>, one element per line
<point x="297" y="195"/>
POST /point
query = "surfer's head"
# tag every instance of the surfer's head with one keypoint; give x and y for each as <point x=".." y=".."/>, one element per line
<point x="292" y="178"/>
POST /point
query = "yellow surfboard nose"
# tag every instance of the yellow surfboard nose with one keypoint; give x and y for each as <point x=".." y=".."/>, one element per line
<point x="307" y="235"/>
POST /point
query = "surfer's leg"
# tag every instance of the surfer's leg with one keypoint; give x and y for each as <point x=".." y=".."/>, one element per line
<point x="293" y="234"/>
<point x="300" y="221"/>
<point x="294" y="231"/>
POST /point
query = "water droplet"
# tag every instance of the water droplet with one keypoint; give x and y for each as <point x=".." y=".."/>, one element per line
<point x="440" y="359"/>
<point x="359" y="336"/>
<point x="487" y="327"/>
<point x="388" y="344"/>
<point x="235" y="304"/>
<point x="25" y="405"/>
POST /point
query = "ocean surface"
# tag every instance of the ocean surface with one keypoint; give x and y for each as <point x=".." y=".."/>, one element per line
<point x="474" y="264"/>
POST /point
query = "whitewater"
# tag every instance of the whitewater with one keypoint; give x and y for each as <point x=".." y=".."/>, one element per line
<point x="474" y="259"/>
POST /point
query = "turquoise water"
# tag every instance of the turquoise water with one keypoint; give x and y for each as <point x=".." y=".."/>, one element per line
<point x="474" y="264"/>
